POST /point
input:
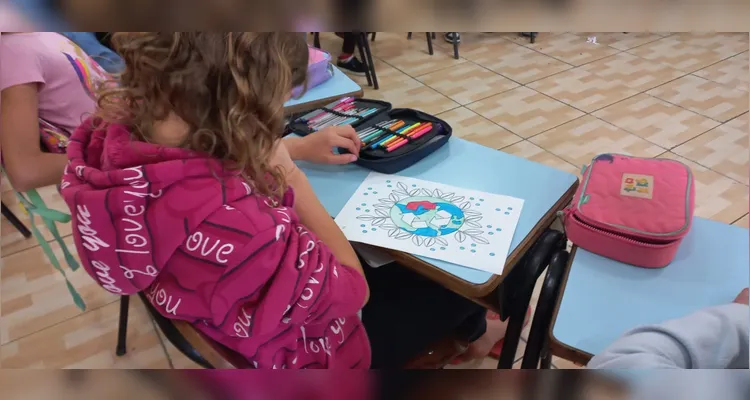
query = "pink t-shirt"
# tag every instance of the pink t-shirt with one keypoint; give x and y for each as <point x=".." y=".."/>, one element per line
<point x="67" y="76"/>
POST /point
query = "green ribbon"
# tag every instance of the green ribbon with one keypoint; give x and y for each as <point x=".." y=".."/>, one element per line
<point x="34" y="205"/>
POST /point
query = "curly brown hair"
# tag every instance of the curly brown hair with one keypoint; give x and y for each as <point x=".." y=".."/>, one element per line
<point x="228" y="87"/>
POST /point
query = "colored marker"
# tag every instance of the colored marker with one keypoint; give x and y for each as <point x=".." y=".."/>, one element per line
<point x="427" y="125"/>
<point x="403" y="131"/>
<point x="380" y="134"/>
<point x="374" y="128"/>
<point x="368" y="133"/>
<point x="415" y="136"/>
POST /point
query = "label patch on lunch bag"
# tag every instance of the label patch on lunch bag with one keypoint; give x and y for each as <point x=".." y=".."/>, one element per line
<point x="634" y="185"/>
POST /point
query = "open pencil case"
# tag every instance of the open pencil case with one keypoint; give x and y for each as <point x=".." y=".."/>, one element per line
<point x="393" y="138"/>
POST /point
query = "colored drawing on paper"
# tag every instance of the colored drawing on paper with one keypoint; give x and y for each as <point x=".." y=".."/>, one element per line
<point x="426" y="216"/>
<point x="460" y="226"/>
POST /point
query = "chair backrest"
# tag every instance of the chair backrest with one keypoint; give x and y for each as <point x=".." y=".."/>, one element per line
<point x="194" y="345"/>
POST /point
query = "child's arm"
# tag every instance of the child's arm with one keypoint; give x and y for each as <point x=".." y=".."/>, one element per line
<point x="712" y="338"/>
<point x="27" y="166"/>
<point x="314" y="216"/>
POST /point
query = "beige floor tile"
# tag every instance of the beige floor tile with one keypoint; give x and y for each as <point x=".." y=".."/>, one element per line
<point x="637" y="73"/>
<point x="584" y="90"/>
<point x="724" y="149"/>
<point x="656" y="120"/>
<point x="535" y="153"/>
<point x="176" y="358"/>
<point x="475" y="128"/>
<point x="34" y="295"/>
<point x="716" y="196"/>
<point x="524" y="111"/>
<point x="619" y="40"/>
<point x="724" y="42"/>
<point x="514" y="61"/>
<point x="578" y="141"/>
<point x="467" y="82"/>
<point x="743" y="222"/>
<point x="681" y="55"/>
<point x="732" y="72"/>
<point x="705" y="97"/>
<point x="561" y="363"/>
<point x="572" y="49"/>
<point x="541" y="37"/>
<point x="404" y="91"/>
<point x="411" y="56"/>
<point x="5" y="184"/>
<point x="12" y="241"/>
<point x="88" y="341"/>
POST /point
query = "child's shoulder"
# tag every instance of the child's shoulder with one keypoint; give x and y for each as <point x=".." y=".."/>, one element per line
<point x="254" y="213"/>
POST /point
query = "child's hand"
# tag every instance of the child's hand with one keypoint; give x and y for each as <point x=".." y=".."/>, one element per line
<point x="318" y="147"/>
<point x="742" y="298"/>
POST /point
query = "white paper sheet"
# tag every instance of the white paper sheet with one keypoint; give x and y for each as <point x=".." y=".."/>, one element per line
<point x="460" y="226"/>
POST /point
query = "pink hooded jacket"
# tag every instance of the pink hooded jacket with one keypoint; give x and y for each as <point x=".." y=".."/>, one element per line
<point x="206" y="249"/>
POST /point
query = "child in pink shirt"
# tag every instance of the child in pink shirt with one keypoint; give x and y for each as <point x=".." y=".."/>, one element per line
<point x="42" y="75"/>
<point x="180" y="187"/>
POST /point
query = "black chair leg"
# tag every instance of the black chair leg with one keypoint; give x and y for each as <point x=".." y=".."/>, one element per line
<point x="546" y="361"/>
<point x="372" y="37"/>
<point x="455" y="45"/>
<point x="537" y="343"/>
<point x="316" y="39"/>
<point x="363" y="56"/>
<point x="408" y="36"/>
<point x="429" y="43"/>
<point x="370" y="63"/>
<point x="122" y="329"/>
<point x="515" y="292"/>
<point x="434" y="35"/>
<point x="8" y="214"/>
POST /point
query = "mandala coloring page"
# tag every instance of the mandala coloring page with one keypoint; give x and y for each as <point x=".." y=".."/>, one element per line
<point x="460" y="226"/>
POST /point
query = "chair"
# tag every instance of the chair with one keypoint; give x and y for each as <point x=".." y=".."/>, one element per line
<point x="515" y="295"/>
<point x="531" y="35"/>
<point x="365" y="54"/>
<point x="431" y="36"/>
<point x="8" y="214"/>
<point x="211" y="355"/>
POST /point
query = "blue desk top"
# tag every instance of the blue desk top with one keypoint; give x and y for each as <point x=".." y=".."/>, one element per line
<point x="338" y="85"/>
<point x="462" y="164"/>
<point x="604" y="299"/>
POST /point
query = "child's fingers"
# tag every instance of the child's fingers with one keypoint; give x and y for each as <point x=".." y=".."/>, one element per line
<point x="348" y="132"/>
<point x="341" y="158"/>
<point x="346" y="143"/>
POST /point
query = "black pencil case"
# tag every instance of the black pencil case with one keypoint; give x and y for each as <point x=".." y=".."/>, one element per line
<point x="378" y="159"/>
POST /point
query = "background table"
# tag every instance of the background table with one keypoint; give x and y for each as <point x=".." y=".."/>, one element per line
<point x="338" y="86"/>
<point x="602" y="299"/>
<point x="468" y="165"/>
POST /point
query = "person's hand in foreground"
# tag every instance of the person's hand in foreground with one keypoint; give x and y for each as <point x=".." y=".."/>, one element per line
<point x="319" y="147"/>
<point x="742" y="298"/>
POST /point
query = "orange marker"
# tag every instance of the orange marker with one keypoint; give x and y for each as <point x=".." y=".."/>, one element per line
<point x="405" y="131"/>
<point x="427" y="126"/>
<point x="416" y="135"/>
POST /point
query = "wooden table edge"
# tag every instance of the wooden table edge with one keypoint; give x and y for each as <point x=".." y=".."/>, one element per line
<point x="310" y="105"/>
<point x="480" y="291"/>
<point x="556" y="347"/>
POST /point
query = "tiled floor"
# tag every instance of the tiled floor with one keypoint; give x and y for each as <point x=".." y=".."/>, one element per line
<point x="559" y="102"/>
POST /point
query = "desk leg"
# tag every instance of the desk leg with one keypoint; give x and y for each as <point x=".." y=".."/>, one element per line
<point x="514" y="294"/>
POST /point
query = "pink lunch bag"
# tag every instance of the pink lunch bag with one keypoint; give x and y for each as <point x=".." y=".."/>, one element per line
<point x="319" y="70"/>
<point x="633" y="210"/>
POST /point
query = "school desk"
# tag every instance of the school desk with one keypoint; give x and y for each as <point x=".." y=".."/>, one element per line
<point x="460" y="163"/>
<point x="338" y="86"/>
<point x="602" y="298"/>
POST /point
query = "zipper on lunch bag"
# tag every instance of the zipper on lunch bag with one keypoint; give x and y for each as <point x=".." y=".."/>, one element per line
<point x="618" y="236"/>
